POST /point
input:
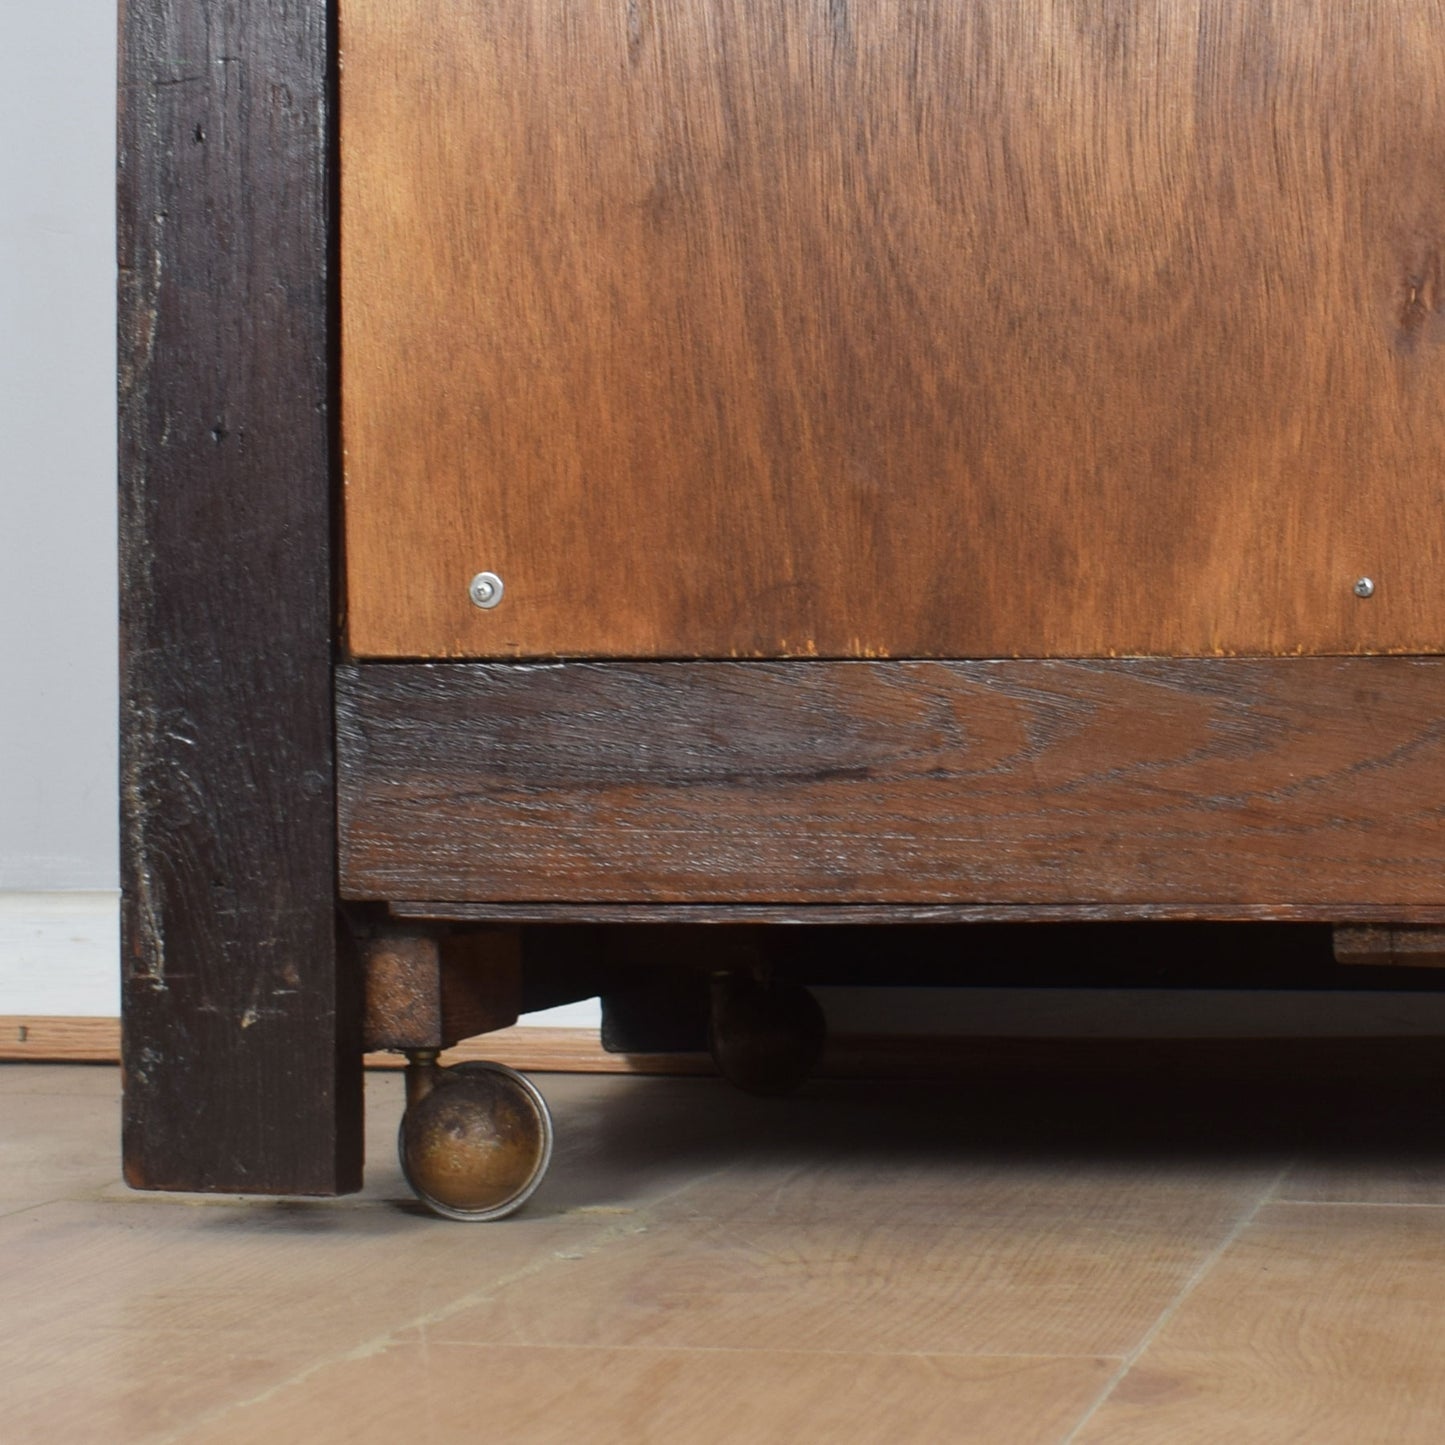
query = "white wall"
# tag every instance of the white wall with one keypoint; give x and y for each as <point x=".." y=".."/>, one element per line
<point x="57" y="448"/>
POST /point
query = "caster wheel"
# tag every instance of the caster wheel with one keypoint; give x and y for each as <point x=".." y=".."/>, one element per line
<point x="765" y="1037"/>
<point x="476" y="1145"/>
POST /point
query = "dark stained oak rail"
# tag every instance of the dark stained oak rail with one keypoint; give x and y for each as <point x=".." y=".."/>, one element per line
<point x="1311" y="781"/>
<point x="843" y="914"/>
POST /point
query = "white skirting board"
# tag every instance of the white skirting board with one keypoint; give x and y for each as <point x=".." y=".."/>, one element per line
<point x="60" y="952"/>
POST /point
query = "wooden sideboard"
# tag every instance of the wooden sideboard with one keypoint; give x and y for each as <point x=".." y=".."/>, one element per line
<point x="722" y="464"/>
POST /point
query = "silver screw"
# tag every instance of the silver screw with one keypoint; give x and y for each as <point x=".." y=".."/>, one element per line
<point x="485" y="589"/>
<point x="1365" y="587"/>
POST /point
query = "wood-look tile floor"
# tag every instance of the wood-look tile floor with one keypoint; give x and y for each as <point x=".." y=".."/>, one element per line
<point x="1167" y="1253"/>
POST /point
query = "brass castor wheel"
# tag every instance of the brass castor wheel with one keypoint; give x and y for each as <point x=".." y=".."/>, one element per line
<point x="766" y="1036"/>
<point x="475" y="1140"/>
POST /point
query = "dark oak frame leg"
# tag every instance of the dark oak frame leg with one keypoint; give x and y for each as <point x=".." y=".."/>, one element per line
<point x="241" y="1007"/>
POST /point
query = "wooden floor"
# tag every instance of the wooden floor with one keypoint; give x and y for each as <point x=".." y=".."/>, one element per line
<point x="1212" y="1247"/>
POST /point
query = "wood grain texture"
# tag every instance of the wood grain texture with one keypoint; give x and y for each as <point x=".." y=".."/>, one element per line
<point x="1319" y="1323"/>
<point x="890" y="1251"/>
<point x="425" y="990"/>
<point x="707" y="1397"/>
<point x="242" y="1044"/>
<point x="1294" y="781"/>
<point x="1384" y="946"/>
<point x="921" y="914"/>
<point x="818" y="1234"/>
<point x="32" y="1038"/>
<point x="959" y="330"/>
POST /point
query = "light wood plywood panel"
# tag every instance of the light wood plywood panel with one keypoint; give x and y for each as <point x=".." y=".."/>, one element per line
<point x="955" y="330"/>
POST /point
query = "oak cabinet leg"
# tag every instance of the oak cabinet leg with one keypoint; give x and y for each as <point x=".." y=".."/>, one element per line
<point x="241" y="1008"/>
<point x="242" y="1065"/>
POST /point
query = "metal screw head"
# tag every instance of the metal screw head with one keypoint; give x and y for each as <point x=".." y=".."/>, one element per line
<point x="485" y="589"/>
<point x="1365" y="587"/>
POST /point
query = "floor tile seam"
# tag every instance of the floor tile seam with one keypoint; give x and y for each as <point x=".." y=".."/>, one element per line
<point x="21" y="1209"/>
<point x="1355" y="1203"/>
<point x="379" y="1344"/>
<point x="1196" y="1278"/>
<point x="808" y="1352"/>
